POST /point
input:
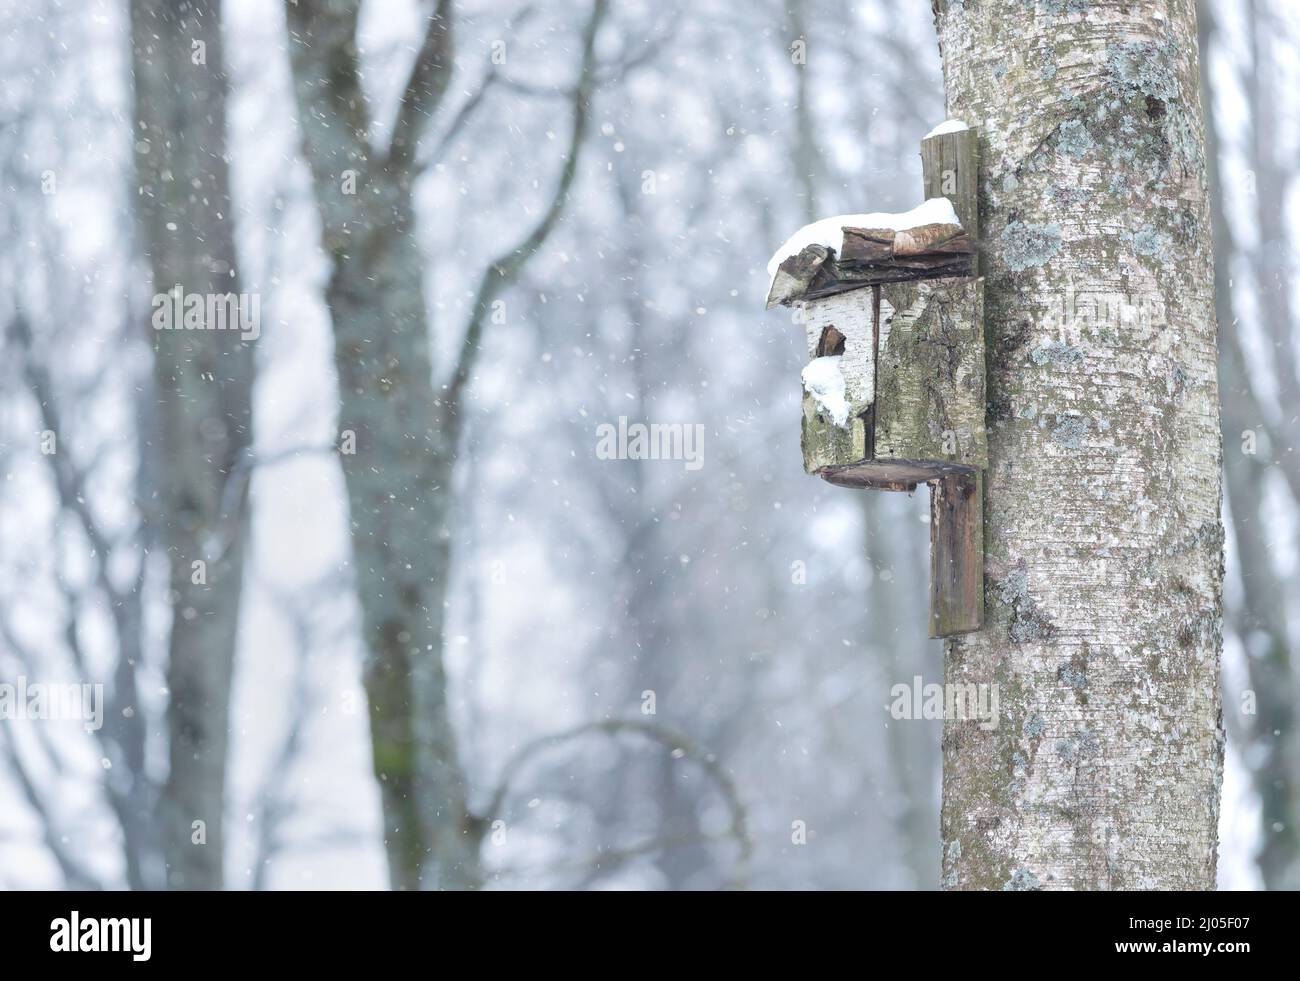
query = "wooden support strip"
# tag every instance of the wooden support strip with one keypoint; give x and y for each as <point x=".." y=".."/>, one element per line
<point x="948" y="163"/>
<point x="956" y="554"/>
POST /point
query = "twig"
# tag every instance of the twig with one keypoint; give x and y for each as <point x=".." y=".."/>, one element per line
<point x="675" y="741"/>
<point x="502" y="273"/>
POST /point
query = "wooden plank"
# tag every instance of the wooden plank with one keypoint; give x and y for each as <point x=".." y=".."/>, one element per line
<point x="795" y="274"/>
<point x="956" y="554"/>
<point x="949" y="165"/>
<point x="834" y="278"/>
<point x="881" y="246"/>
<point x="950" y="169"/>
<point x="891" y="474"/>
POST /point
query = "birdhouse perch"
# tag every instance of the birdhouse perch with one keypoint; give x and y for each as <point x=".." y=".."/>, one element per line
<point x="894" y="388"/>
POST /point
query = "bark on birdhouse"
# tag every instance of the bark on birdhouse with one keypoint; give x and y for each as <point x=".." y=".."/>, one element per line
<point x="894" y="387"/>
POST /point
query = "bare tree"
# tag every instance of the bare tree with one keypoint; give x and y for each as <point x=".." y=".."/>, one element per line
<point x="406" y="425"/>
<point x="203" y="410"/>
<point x="1103" y="539"/>
<point x="75" y="600"/>
<point x="1260" y="619"/>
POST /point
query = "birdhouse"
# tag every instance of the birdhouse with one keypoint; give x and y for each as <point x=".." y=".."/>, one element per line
<point x="893" y="392"/>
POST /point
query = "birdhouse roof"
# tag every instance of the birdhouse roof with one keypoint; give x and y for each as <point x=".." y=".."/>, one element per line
<point x="852" y="251"/>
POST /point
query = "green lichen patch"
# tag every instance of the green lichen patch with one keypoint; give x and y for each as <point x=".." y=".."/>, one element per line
<point x="1056" y="352"/>
<point x="826" y="444"/>
<point x="1070" y="431"/>
<point x="1026" y="245"/>
<point x="1073" y="139"/>
<point x="953" y="857"/>
<point x="1089" y="744"/>
<point x="930" y="402"/>
<point x="1149" y="67"/>
<point x="1028" y="623"/>
<point x="1022" y="880"/>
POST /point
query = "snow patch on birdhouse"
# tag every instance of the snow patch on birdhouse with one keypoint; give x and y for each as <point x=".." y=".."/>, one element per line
<point x="824" y="381"/>
<point x="947" y="126"/>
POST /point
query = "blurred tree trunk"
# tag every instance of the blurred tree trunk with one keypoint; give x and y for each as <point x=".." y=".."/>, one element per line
<point x="806" y="155"/>
<point x="204" y="382"/>
<point x="1261" y="621"/>
<point x="399" y="477"/>
<point x="406" y="431"/>
<point x="1104" y="543"/>
<point x="1272" y="257"/>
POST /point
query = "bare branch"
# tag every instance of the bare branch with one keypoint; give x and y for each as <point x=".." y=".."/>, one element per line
<point x="234" y="493"/>
<point x="68" y="480"/>
<point x="459" y="121"/>
<point x="503" y="272"/>
<point x="74" y="875"/>
<point x="673" y="740"/>
<point x="276" y="803"/>
<point x="331" y="104"/>
<point x="28" y="663"/>
<point x="604" y="74"/>
<point x="426" y="87"/>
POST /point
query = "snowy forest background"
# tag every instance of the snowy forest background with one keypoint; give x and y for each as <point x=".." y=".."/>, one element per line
<point x="763" y="615"/>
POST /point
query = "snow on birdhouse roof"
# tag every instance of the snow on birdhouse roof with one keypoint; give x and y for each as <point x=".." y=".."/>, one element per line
<point x="851" y="251"/>
<point x="830" y="231"/>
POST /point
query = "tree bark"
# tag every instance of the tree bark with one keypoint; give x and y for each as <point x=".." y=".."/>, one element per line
<point x="1103" y="536"/>
<point x="204" y="382"/>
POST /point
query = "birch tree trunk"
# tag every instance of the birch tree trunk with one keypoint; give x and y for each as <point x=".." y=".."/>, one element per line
<point x="204" y="381"/>
<point x="1103" y="535"/>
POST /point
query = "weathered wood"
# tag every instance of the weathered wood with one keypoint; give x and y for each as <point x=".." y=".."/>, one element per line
<point x="949" y="167"/>
<point x="930" y="403"/>
<point x="956" y="554"/>
<point x="796" y="273"/>
<point x="899" y="475"/>
<point x="883" y="245"/>
<point x="867" y="244"/>
<point x="835" y="278"/>
<point x="870" y="256"/>
<point x="825" y="444"/>
<point x="925" y="240"/>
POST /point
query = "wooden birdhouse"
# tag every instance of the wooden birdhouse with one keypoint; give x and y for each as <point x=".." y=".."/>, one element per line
<point x="894" y="386"/>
